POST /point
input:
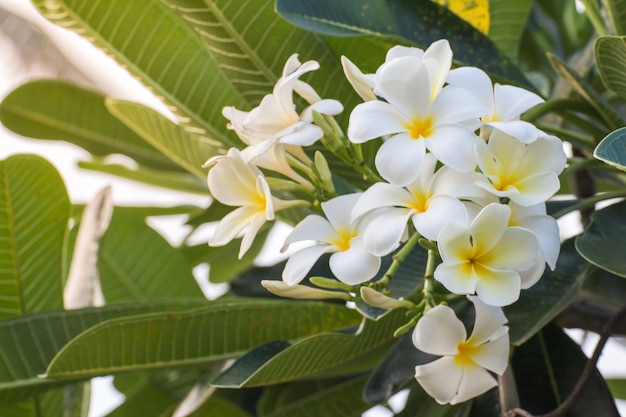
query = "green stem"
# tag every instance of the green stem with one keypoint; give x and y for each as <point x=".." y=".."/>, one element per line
<point x="398" y="258"/>
<point x="575" y="137"/>
<point x="589" y="202"/>
<point x="557" y="105"/>
<point x="595" y="17"/>
<point x="429" y="278"/>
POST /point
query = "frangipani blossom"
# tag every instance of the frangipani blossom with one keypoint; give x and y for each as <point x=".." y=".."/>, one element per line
<point x="505" y="103"/>
<point x="430" y="202"/>
<point x="337" y="234"/>
<point x="234" y="182"/>
<point x="462" y="372"/>
<point x="421" y="114"/>
<point x="486" y="257"/>
<point x="525" y="173"/>
<point x="274" y="124"/>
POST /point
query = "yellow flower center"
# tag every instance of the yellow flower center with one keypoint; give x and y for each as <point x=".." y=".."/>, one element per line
<point x="466" y="352"/>
<point x="419" y="203"/>
<point x="420" y="128"/>
<point x="342" y="241"/>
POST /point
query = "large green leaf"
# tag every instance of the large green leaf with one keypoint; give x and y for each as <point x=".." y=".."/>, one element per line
<point x="28" y="343"/>
<point x="167" y="55"/>
<point x="178" y="144"/>
<point x="582" y="87"/>
<point x="136" y="263"/>
<point x="34" y="214"/>
<point x="542" y="302"/>
<point x="552" y="358"/>
<point x="223" y="330"/>
<point x="321" y="353"/>
<point x="336" y="400"/>
<point x="57" y="110"/>
<point x="603" y="243"/>
<point x="406" y="21"/>
<point x="610" y="54"/>
<point x="612" y="149"/>
<point x="507" y="22"/>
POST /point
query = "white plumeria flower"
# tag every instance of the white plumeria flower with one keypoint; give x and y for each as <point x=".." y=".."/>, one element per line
<point x="486" y="257"/>
<point x="274" y="126"/>
<point x="525" y="173"/>
<point x="234" y="182"/>
<point x="421" y="114"/>
<point x="505" y="103"/>
<point x="463" y="371"/>
<point x="350" y="262"/>
<point x="430" y="201"/>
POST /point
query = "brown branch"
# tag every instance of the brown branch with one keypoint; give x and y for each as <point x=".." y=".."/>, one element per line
<point x="587" y="316"/>
<point x="588" y="371"/>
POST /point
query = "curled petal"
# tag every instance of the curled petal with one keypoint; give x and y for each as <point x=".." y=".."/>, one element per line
<point x="306" y="135"/>
<point x="355" y="265"/>
<point x="385" y="229"/>
<point x="312" y="227"/>
<point x="475" y="381"/>
<point x="530" y="276"/>
<point x="374" y="119"/>
<point x="380" y="195"/>
<point x="440" y="379"/>
<point x="253" y="228"/>
<point x="489" y="322"/>
<point x="338" y="210"/>
<point x="301" y="262"/>
<point x="547" y="231"/>
<point x="536" y="189"/>
<point x="233" y="223"/>
<point x="523" y="131"/>
<point x="494" y="355"/>
<point x="511" y="101"/>
<point x="439" y="332"/>
<point x="399" y="159"/>
<point x="362" y="84"/>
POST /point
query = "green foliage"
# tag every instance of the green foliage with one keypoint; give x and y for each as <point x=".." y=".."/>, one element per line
<point x="160" y="337"/>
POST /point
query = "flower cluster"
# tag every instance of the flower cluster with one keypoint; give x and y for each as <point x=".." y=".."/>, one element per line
<point x="455" y="170"/>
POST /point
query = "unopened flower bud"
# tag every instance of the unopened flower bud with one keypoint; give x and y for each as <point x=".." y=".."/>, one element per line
<point x="302" y="291"/>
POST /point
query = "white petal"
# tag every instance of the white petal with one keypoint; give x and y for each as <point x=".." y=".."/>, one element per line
<point x="494" y="355"/>
<point x="400" y="51"/>
<point x="374" y="119"/>
<point x="547" y="231"/>
<point x="301" y="262"/>
<point x="536" y="188"/>
<point x="385" y="229"/>
<point x="439" y="332"/>
<point x="305" y="91"/>
<point x="253" y="228"/>
<point x="511" y="101"/>
<point x="307" y="135"/>
<point x="457" y="278"/>
<point x="457" y="184"/>
<point x="355" y="265"/>
<point x="523" y="131"/>
<point x="405" y="84"/>
<point x="545" y="154"/>
<point x="453" y="145"/>
<point x="327" y="106"/>
<point x="312" y="227"/>
<point x="489" y="322"/>
<point x="474" y="382"/>
<point x="498" y="287"/>
<point x="441" y="53"/>
<point x="380" y="195"/>
<point x="530" y="276"/>
<point x="476" y="81"/>
<point x="440" y="379"/>
<point x="338" y="210"/>
<point x="232" y="181"/>
<point x="362" y="84"/>
<point x="233" y="223"/>
<point x="454" y="242"/>
<point x="456" y="105"/>
<point x="516" y="250"/>
<point x="441" y="210"/>
<point x="488" y="227"/>
<point x="399" y="159"/>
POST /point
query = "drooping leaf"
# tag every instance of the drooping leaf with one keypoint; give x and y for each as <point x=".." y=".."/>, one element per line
<point x="508" y="20"/>
<point x="57" y="110"/>
<point x="419" y="23"/>
<point x="30" y="342"/>
<point x="223" y="330"/>
<point x="34" y="212"/>
<point x="612" y="119"/>
<point x="170" y="58"/>
<point x="172" y="140"/>
<point x="603" y="242"/>
<point x="321" y="353"/>
<point x="336" y="400"/>
<point x="553" y="356"/>
<point x="610" y="54"/>
<point x="612" y="149"/>
<point x="542" y="302"/>
<point x="136" y="263"/>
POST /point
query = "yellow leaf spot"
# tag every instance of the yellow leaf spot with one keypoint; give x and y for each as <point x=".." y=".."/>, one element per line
<point x="474" y="12"/>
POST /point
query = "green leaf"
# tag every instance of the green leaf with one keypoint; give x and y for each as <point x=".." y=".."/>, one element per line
<point x="542" y="302"/>
<point x="610" y="54"/>
<point x="178" y="144"/>
<point x="310" y="356"/>
<point x="136" y="263"/>
<point x="617" y="387"/>
<point x="218" y="406"/>
<point x="57" y="110"/>
<point x="222" y="330"/>
<point x="612" y="149"/>
<point x="604" y="241"/>
<point x="168" y="56"/>
<point x="177" y="181"/>
<point x="34" y="212"/>
<point x="552" y="356"/>
<point x="612" y="119"/>
<point x="337" y="400"/>
<point x="507" y="22"/>
<point x="404" y="21"/>
<point x="30" y="342"/>
<point x="616" y="14"/>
